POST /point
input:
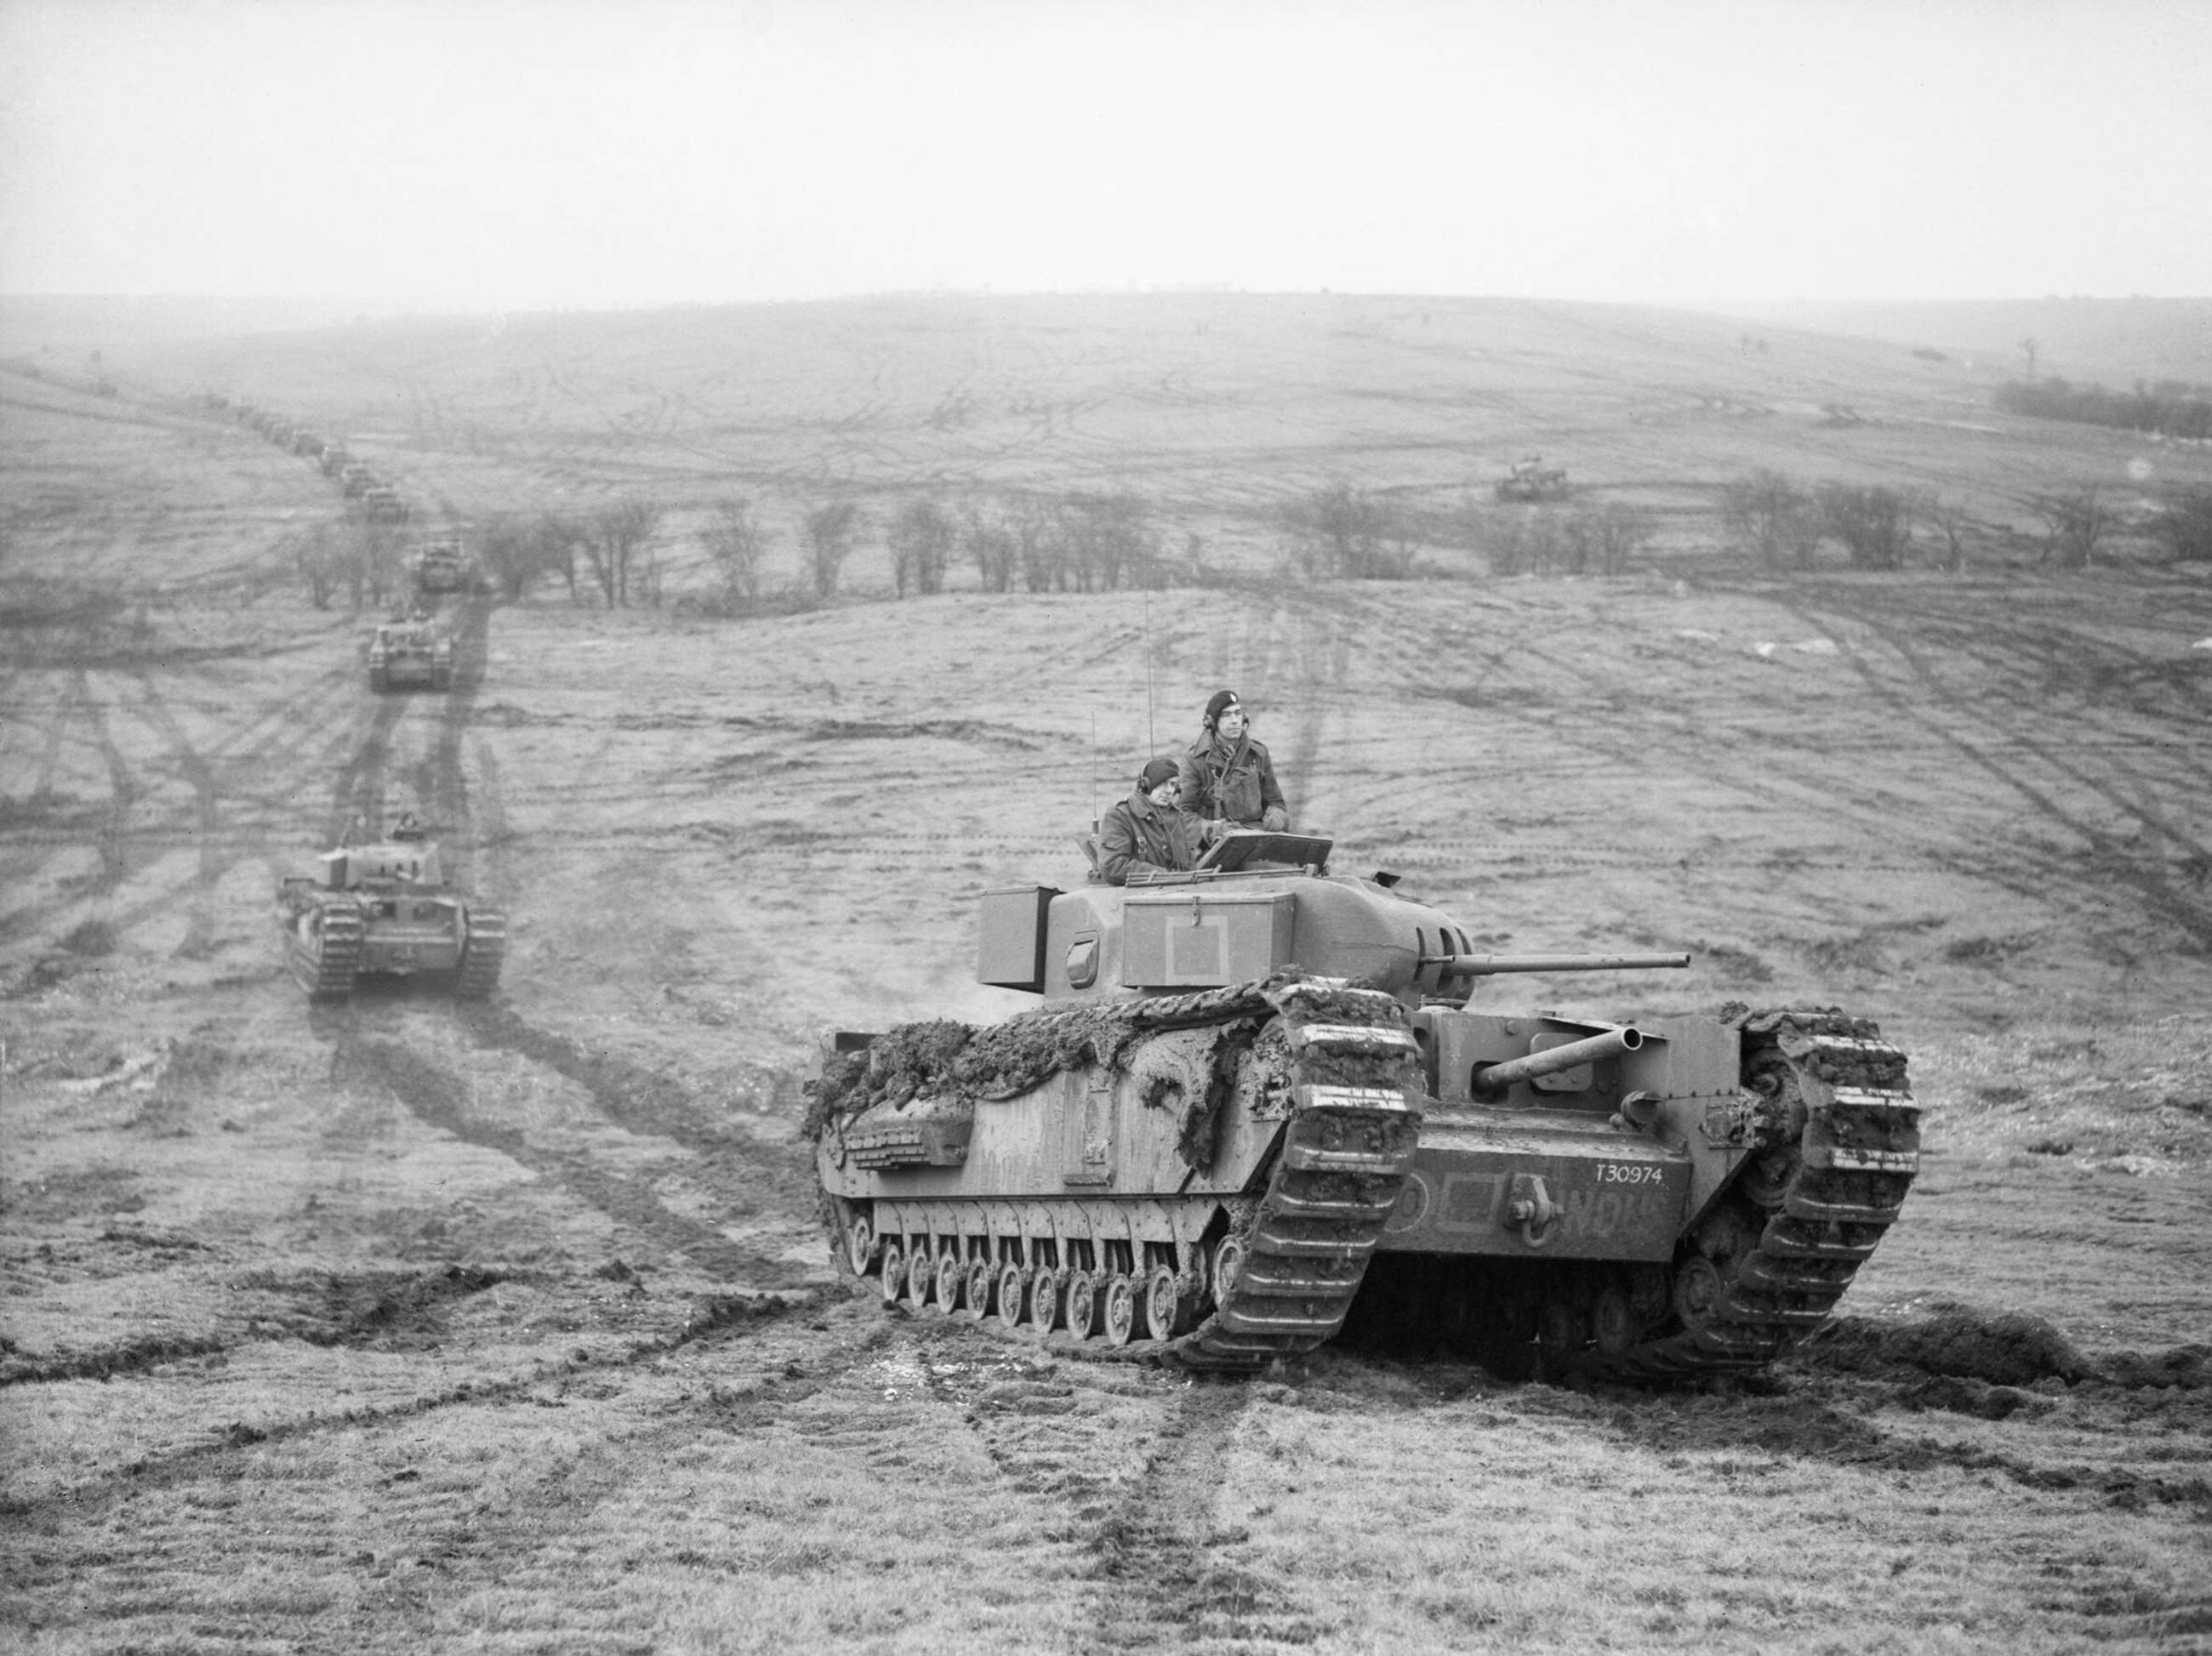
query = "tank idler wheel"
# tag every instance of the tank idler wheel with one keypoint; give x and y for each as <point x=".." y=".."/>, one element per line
<point x="1558" y="1328"/>
<point x="894" y="1269"/>
<point x="1163" y="1304"/>
<point x="952" y="1274"/>
<point x="1083" y="1295"/>
<point x="1613" y="1322"/>
<point x="1044" y="1300"/>
<point x="1013" y="1281"/>
<point x="921" y="1274"/>
<point x="1122" y="1308"/>
<point x="860" y="1244"/>
<point x="975" y="1302"/>
<point x="1765" y="1181"/>
<point x="1699" y="1291"/>
<point x="1228" y="1266"/>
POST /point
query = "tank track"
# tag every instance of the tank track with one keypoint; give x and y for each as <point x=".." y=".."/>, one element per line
<point x="1855" y="1158"/>
<point x="327" y="973"/>
<point x="1283" y="1279"/>
<point x="481" y="954"/>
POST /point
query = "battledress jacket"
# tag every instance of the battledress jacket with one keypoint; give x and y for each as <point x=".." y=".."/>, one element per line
<point x="1137" y="836"/>
<point x="1237" y="783"/>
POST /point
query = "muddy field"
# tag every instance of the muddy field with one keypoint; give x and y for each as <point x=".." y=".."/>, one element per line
<point x="403" y="1325"/>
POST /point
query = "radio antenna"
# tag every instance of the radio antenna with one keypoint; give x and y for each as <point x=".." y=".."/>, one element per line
<point x="1152" y="741"/>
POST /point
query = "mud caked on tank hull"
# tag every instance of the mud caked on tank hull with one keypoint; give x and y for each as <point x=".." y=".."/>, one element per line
<point x="386" y="908"/>
<point x="1254" y="1108"/>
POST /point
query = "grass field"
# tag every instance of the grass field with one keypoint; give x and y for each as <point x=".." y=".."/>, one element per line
<point x="403" y="1325"/>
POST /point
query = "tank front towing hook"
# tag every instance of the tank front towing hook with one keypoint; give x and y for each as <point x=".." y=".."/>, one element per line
<point x="1530" y="1211"/>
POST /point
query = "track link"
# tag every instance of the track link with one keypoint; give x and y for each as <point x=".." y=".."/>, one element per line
<point x="1855" y="1158"/>
<point x="1337" y="1172"/>
<point x="326" y="970"/>
<point x="481" y="954"/>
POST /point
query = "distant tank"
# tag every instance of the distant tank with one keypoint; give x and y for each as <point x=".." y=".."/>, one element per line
<point x="383" y="504"/>
<point x="439" y="567"/>
<point x="410" y="654"/>
<point x="1198" y="1151"/>
<point x="356" y="479"/>
<point x="386" y="908"/>
<point x="1532" y="480"/>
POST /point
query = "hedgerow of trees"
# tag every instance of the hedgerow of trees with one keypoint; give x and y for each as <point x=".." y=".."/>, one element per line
<point x="2170" y="407"/>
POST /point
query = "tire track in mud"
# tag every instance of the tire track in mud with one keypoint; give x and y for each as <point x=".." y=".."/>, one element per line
<point x="1161" y="1571"/>
<point x="123" y="789"/>
<point x="1943" y="716"/>
<point x="1155" y="1566"/>
<point x="722" y="1316"/>
<point x="357" y="794"/>
<point x="639" y="1101"/>
<point x="442" y="1100"/>
<point x="263" y="745"/>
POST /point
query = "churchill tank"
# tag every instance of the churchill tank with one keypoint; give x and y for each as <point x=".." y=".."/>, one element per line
<point x="410" y="652"/>
<point x="385" y="908"/>
<point x="1256" y="1107"/>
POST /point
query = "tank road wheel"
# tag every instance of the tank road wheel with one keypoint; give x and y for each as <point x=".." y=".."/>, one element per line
<point x="860" y="1244"/>
<point x="1613" y="1321"/>
<point x="921" y="1276"/>
<point x="1163" y="1304"/>
<point x="1228" y="1266"/>
<point x="894" y="1269"/>
<point x="1011" y="1281"/>
<point x="951" y="1273"/>
<point x="1082" y="1303"/>
<point x="976" y="1305"/>
<point x="1120" y="1297"/>
<point x="1559" y="1329"/>
<point x="1699" y="1291"/>
<point x="1044" y="1300"/>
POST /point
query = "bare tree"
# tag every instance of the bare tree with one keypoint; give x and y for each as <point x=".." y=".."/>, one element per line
<point x="830" y="532"/>
<point x="1111" y="540"/>
<point x="737" y="544"/>
<point x="921" y="539"/>
<point x="1338" y="530"/>
<point x="1769" y="513"/>
<point x="2074" y="524"/>
<point x="1523" y="542"/>
<point x="1951" y="521"/>
<point x="2030" y="348"/>
<point x="320" y="555"/>
<point x="1040" y="548"/>
<point x="613" y="536"/>
<point x="2185" y="525"/>
<point x="1874" y="523"/>
<point x="994" y="546"/>
<point x="1600" y="540"/>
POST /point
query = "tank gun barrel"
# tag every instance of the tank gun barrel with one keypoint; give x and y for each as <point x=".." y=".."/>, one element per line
<point x="1494" y="1078"/>
<point x="1485" y="966"/>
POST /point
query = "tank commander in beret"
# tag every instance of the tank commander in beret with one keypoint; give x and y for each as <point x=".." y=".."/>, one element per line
<point x="1228" y="779"/>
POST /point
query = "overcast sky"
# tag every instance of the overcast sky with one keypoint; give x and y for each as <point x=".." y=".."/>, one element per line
<point x="582" y="152"/>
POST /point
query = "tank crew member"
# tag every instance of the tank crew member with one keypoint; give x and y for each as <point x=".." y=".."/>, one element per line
<point x="1145" y="834"/>
<point x="1228" y="780"/>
